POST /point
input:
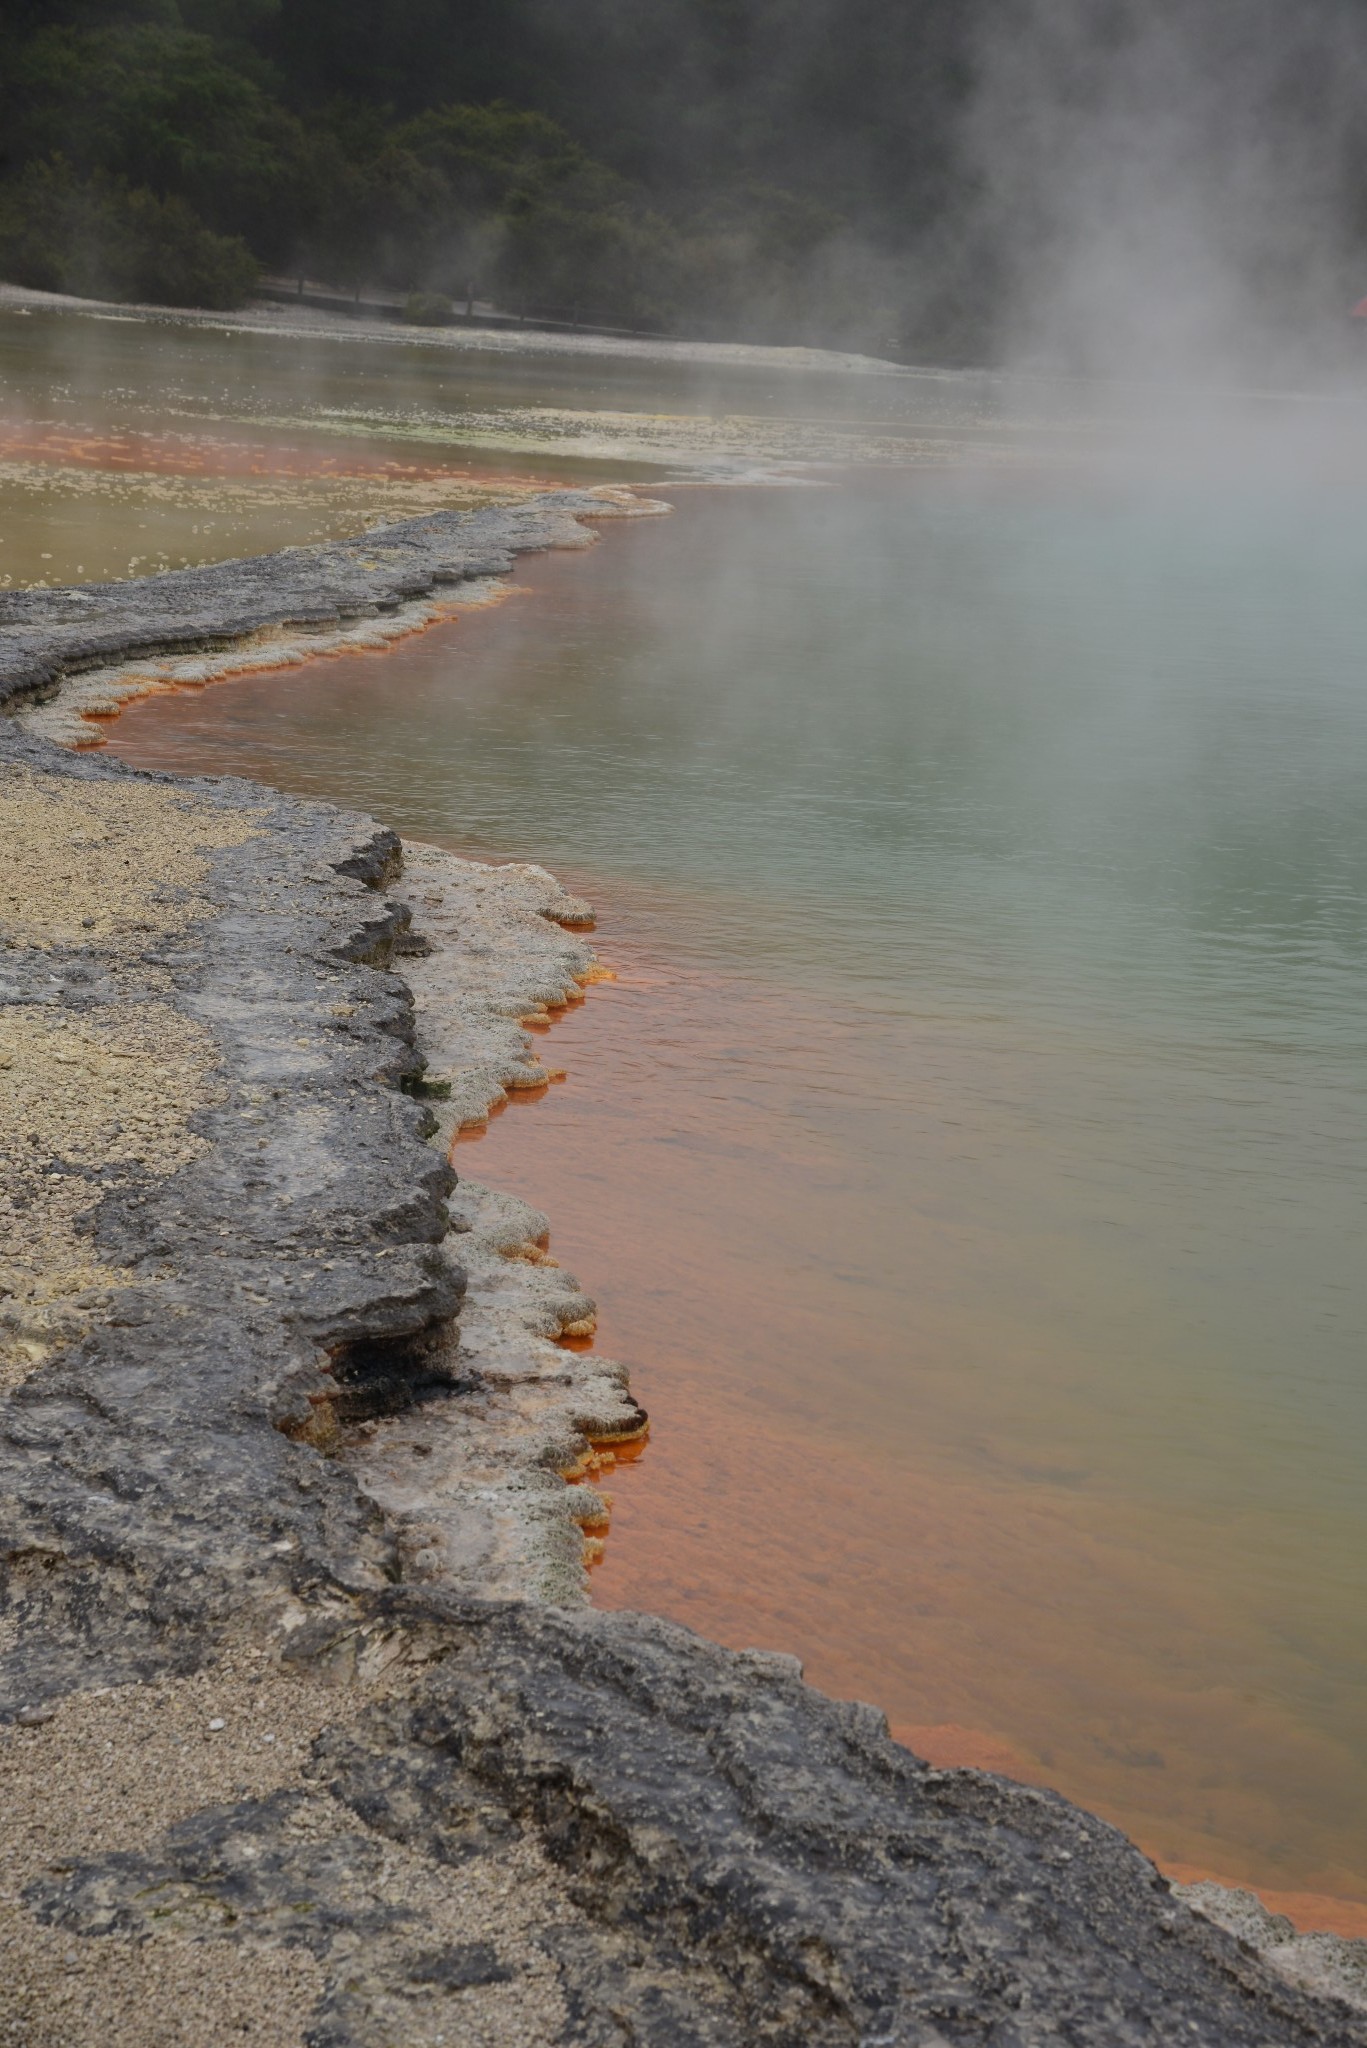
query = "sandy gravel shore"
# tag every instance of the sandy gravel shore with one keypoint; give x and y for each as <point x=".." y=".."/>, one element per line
<point x="103" y="1083"/>
<point x="134" y="1761"/>
<point x="274" y="318"/>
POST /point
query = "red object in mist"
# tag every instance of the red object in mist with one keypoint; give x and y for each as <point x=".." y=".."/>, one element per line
<point x="1359" y="311"/>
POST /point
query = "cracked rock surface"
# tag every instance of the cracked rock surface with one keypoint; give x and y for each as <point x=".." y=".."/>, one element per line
<point x="605" y="1829"/>
<point x="273" y="1760"/>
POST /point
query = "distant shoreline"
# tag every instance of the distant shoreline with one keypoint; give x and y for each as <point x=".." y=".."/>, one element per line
<point x="273" y="317"/>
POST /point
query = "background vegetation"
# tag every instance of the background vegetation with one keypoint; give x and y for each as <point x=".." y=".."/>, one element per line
<point x="815" y="170"/>
<point x="716" y="166"/>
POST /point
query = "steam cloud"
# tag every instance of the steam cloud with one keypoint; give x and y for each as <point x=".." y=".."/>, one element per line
<point x="1168" y="190"/>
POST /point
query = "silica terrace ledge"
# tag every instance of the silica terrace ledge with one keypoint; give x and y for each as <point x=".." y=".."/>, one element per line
<point x="694" y="1846"/>
<point x="50" y="636"/>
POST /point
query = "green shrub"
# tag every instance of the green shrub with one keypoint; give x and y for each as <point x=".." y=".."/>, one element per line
<point x="100" y="238"/>
<point x="427" y="309"/>
<point x="158" y="108"/>
<point x="585" y="250"/>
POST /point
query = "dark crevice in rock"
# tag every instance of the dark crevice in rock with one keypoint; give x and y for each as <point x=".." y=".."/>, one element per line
<point x="386" y="1376"/>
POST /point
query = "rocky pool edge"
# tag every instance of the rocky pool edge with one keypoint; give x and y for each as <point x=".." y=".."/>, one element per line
<point x="73" y="652"/>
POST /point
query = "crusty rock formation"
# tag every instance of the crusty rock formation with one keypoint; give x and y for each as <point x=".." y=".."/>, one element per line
<point x="1333" y="1964"/>
<point x="50" y="636"/>
<point x="156" y="1472"/>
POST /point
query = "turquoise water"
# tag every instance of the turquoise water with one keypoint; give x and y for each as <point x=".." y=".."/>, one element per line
<point x="978" y="1132"/>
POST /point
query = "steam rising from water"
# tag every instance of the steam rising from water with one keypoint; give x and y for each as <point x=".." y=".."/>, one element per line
<point x="1170" y="190"/>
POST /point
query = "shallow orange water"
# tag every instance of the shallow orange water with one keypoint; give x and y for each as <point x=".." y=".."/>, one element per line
<point x="164" y="452"/>
<point x="964" y="1609"/>
<point x="1026" y="1565"/>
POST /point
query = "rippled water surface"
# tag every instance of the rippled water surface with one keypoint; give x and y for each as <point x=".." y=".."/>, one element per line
<point x="970" y="1159"/>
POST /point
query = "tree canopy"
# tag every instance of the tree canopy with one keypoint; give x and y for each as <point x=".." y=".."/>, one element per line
<point x="869" y="173"/>
<point x="720" y="166"/>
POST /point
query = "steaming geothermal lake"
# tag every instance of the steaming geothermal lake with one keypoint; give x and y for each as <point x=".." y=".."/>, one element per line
<point x="969" y="1159"/>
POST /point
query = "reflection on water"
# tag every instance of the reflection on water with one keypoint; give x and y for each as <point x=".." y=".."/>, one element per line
<point x="970" y="1159"/>
<point x="130" y="445"/>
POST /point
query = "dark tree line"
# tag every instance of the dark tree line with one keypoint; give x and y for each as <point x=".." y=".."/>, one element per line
<point x="745" y="167"/>
<point x="774" y="169"/>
